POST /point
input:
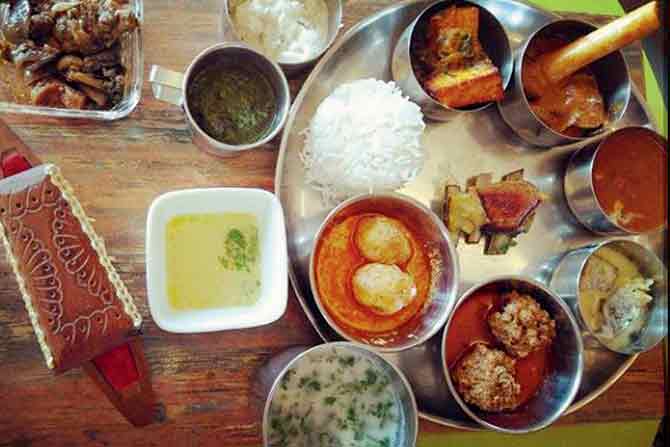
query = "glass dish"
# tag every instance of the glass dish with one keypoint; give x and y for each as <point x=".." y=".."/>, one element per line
<point x="131" y="58"/>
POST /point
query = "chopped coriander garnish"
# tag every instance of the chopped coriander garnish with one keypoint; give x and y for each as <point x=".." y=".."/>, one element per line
<point x="334" y="400"/>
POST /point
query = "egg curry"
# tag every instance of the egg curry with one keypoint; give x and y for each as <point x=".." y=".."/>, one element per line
<point x="372" y="274"/>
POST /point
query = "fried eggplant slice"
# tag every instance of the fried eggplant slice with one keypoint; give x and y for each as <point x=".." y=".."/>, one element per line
<point x="498" y="244"/>
<point x="465" y="213"/>
<point x="449" y="191"/>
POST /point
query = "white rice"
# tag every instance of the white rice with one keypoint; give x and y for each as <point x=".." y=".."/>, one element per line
<point x="364" y="137"/>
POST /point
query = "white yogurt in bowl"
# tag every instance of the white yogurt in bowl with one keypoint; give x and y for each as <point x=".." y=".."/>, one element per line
<point x="287" y="31"/>
<point x="340" y="394"/>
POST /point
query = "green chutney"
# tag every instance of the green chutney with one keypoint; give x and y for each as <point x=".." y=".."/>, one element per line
<point x="232" y="104"/>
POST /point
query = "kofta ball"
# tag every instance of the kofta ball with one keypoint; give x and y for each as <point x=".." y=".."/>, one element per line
<point x="522" y="326"/>
<point x="382" y="239"/>
<point x="384" y="288"/>
<point x="485" y="377"/>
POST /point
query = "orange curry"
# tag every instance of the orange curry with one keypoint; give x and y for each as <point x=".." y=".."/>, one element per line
<point x="469" y="326"/>
<point x="630" y="179"/>
<point x="337" y="258"/>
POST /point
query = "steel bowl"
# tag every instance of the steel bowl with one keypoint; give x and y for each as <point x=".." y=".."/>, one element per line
<point x="611" y="73"/>
<point x="568" y="273"/>
<point x="493" y="38"/>
<point x="427" y="227"/>
<point x="271" y="374"/>
<point x="229" y="33"/>
<point x="579" y="191"/>
<point x="559" y="388"/>
<point x="172" y="87"/>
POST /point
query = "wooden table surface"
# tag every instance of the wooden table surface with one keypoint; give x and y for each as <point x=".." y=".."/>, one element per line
<point x="204" y="382"/>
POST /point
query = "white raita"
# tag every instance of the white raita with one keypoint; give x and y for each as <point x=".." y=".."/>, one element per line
<point x="284" y="30"/>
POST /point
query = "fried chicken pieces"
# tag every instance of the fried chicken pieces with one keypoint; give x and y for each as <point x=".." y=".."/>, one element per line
<point x="90" y="26"/>
<point x="486" y="376"/>
<point x="68" y="51"/>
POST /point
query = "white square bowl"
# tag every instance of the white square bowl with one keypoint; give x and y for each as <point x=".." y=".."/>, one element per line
<point x="271" y="303"/>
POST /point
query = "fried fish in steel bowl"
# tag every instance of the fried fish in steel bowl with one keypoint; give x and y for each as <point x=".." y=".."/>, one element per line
<point x="454" y="58"/>
<point x="384" y="272"/>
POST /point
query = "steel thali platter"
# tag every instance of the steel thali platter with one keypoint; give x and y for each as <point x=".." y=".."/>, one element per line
<point x="466" y="146"/>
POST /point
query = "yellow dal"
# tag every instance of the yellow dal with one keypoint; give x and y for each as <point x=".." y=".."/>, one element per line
<point x="213" y="261"/>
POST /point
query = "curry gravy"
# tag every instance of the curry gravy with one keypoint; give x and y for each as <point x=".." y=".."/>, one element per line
<point x="630" y="180"/>
<point x="337" y="258"/>
<point x="470" y="326"/>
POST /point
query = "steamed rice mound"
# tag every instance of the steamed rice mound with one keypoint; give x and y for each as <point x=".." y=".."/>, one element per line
<point x="364" y="137"/>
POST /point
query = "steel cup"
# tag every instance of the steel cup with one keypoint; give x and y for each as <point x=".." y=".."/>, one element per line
<point x="270" y="375"/>
<point x="559" y="388"/>
<point x="568" y="273"/>
<point x="493" y="39"/>
<point x="229" y="33"/>
<point x="579" y="191"/>
<point x="171" y="86"/>
<point x="611" y="73"/>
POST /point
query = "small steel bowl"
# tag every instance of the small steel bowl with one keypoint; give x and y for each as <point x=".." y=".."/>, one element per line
<point x="271" y="374"/>
<point x="579" y="191"/>
<point x="493" y="38"/>
<point x="229" y="33"/>
<point x="427" y="227"/>
<point x="611" y="73"/>
<point x="568" y="273"/>
<point x="559" y="388"/>
<point x="172" y="87"/>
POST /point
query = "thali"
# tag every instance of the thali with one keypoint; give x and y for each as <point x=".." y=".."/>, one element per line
<point x="463" y="147"/>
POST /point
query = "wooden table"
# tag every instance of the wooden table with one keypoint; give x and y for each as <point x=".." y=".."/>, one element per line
<point x="204" y="382"/>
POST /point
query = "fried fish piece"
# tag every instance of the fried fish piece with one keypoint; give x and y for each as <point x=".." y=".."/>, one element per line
<point x="508" y="203"/>
<point x="473" y="85"/>
<point x="462" y="74"/>
<point x="90" y="26"/>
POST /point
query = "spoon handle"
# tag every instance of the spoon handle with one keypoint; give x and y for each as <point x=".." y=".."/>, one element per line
<point x="615" y="35"/>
